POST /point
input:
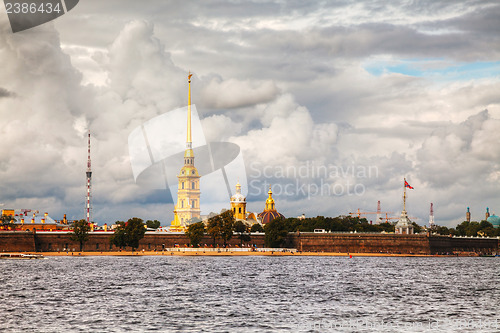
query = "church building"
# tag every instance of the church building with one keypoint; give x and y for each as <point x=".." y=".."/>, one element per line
<point x="188" y="192"/>
<point x="270" y="213"/>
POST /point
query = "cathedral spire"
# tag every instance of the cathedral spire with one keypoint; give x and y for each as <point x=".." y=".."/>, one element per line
<point x="189" y="140"/>
<point x="188" y="191"/>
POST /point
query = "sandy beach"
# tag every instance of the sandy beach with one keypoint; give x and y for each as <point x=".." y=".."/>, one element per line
<point x="227" y="253"/>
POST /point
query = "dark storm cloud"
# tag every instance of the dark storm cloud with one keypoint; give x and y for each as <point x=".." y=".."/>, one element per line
<point x="5" y="93"/>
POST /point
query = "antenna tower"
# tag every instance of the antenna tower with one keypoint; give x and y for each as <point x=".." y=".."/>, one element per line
<point x="431" y="216"/>
<point x="89" y="182"/>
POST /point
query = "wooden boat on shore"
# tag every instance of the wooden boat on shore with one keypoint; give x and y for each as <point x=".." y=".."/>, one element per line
<point x="20" y="256"/>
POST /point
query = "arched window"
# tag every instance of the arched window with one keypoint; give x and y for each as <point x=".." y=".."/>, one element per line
<point x="240" y="210"/>
<point x="182" y="185"/>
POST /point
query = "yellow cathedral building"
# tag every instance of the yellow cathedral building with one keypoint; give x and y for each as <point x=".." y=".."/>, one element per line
<point x="188" y="192"/>
<point x="239" y="204"/>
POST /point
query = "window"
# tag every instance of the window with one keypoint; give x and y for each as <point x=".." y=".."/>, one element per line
<point x="193" y="203"/>
<point x="239" y="210"/>
<point x="182" y="185"/>
<point x="192" y="186"/>
<point x="192" y="172"/>
<point x="182" y="203"/>
<point x="97" y="246"/>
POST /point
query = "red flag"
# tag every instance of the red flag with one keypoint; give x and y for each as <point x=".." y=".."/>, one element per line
<point x="408" y="185"/>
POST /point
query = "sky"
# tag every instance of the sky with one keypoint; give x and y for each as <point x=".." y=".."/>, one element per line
<point x="332" y="103"/>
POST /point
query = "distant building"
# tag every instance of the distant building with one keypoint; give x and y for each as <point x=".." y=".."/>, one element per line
<point x="404" y="226"/>
<point x="28" y="220"/>
<point x="188" y="193"/>
<point x="270" y="213"/>
<point x="239" y="208"/>
<point x="494" y="220"/>
<point x="239" y="204"/>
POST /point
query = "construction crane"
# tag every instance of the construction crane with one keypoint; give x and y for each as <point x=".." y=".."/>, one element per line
<point x="379" y="213"/>
<point x="397" y="218"/>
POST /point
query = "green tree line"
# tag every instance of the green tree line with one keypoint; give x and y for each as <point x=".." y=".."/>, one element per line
<point x="466" y="228"/>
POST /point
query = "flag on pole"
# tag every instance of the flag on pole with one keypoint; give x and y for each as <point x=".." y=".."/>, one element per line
<point x="408" y="185"/>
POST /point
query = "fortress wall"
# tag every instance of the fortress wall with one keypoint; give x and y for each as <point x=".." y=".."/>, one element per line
<point x="12" y="241"/>
<point x="360" y="243"/>
<point x="99" y="241"/>
<point x="307" y="242"/>
<point x="445" y="244"/>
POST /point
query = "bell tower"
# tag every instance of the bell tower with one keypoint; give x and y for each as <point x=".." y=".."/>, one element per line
<point x="188" y="192"/>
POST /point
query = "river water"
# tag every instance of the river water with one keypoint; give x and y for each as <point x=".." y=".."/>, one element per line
<point x="250" y="294"/>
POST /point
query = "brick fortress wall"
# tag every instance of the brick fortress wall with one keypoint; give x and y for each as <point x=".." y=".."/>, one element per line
<point x="313" y="242"/>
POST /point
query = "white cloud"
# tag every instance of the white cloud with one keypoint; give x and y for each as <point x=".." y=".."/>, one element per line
<point x="295" y="90"/>
<point x="233" y="93"/>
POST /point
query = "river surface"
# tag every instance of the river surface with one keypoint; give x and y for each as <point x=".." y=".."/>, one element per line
<point x="250" y="294"/>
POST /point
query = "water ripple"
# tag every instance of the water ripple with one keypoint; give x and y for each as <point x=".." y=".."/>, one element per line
<point x="249" y="294"/>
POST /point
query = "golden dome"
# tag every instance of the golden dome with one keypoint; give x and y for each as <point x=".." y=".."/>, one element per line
<point x="270" y="213"/>
<point x="269" y="216"/>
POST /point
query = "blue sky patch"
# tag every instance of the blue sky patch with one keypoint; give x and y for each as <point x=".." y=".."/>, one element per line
<point x="437" y="69"/>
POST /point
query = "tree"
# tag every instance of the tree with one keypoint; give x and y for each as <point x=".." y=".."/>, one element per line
<point x="193" y="220"/>
<point x="256" y="228"/>
<point x="241" y="229"/>
<point x="195" y="233"/>
<point x="214" y="227"/>
<point x="467" y="228"/>
<point x="80" y="232"/>
<point x="228" y="221"/>
<point x="7" y="222"/>
<point x="221" y="226"/>
<point x="416" y="228"/>
<point x="155" y="224"/>
<point x="276" y="233"/>
<point x="442" y="230"/>
<point x="128" y="233"/>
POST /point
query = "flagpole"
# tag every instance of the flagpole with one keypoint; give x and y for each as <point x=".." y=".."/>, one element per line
<point x="404" y="195"/>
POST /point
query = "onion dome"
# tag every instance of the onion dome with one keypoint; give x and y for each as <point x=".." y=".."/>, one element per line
<point x="270" y="213"/>
<point x="495" y="220"/>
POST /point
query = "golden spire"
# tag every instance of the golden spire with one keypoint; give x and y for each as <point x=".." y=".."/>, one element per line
<point x="270" y="200"/>
<point x="189" y="139"/>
